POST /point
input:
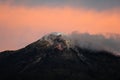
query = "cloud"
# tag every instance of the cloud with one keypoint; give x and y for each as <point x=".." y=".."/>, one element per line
<point x="108" y="42"/>
<point x="61" y="19"/>
<point x="21" y="25"/>
<point x="94" y="4"/>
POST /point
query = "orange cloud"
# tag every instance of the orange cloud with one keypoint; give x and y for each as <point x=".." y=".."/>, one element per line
<point x="33" y="22"/>
<point x="64" y="19"/>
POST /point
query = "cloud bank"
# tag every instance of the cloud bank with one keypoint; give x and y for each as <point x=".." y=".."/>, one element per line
<point x="107" y="42"/>
<point x="60" y="19"/>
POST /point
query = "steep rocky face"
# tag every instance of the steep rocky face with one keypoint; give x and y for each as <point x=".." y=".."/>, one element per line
<point x="41" y="60"/>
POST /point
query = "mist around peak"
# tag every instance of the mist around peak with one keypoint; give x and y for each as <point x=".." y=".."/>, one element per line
<point x="108" y="42"/>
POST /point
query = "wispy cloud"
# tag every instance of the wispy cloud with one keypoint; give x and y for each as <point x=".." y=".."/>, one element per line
<point x="107" y="42"/>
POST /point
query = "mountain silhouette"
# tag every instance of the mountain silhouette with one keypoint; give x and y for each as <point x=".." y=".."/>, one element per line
<point x="56" y="59"/>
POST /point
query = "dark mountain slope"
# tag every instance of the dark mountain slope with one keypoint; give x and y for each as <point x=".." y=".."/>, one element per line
<point x="37" y="61"/>
<point x="48" y="63"/>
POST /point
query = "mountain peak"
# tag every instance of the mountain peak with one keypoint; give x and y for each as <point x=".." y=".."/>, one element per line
<point x="57" y="40"/>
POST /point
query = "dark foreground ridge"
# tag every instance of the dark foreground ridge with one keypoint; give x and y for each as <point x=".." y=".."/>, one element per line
<point x="37" y="61"/>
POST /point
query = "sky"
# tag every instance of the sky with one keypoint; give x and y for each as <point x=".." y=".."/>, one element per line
<point x="25" y="21"/>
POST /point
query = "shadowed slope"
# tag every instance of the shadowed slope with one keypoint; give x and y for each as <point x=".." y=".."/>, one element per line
<point x="37" y="61"/>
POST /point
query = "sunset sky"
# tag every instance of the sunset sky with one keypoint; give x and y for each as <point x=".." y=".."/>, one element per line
<point x="25" y="21"/>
